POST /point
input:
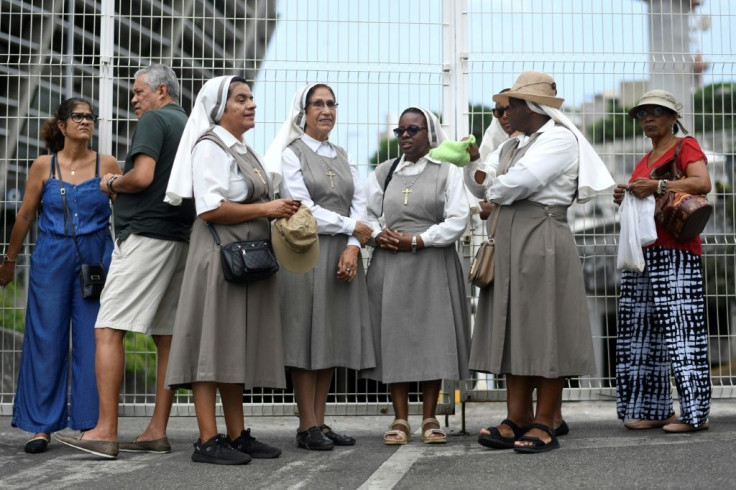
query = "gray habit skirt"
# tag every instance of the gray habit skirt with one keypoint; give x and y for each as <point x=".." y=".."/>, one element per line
<point x="533" y="320"/>
<point x="224" y="332"/>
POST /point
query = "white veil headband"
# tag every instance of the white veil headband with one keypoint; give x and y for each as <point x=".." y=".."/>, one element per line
<point x="594" y="177"/>
<point x="208" y="110"/>
<point x="435" y="133"/>
<point x="292" y="129"/>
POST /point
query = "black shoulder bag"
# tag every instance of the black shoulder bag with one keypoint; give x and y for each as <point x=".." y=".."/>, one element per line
<point x="91" y="276"/>
<point x="248" y="261"/>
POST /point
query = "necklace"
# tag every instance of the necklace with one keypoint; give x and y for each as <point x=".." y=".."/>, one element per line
<point x="329" y="173"/>
<point x="258" y="172"/>
<point x="407" y="188"/>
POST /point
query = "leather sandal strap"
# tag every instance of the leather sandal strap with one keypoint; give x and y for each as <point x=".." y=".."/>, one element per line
<point x="401" y="422"/>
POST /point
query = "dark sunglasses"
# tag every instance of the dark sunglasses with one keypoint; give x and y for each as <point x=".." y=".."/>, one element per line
<point x="79" y="116"/>
<point x="498" y="112"/>
<point x="655" y="111"/>
<point x="320" y="104"/>
<point x="412" y="130"/>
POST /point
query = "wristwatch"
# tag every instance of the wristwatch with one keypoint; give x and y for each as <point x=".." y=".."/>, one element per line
<point x="8" y="259"/>
<point x="414" y="244"/>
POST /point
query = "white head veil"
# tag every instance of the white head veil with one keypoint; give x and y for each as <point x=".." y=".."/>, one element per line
<point x="292" y="129"/>
<point x="208" y="110"/>
<point x="593" y="176"/>
<point x="435" y="133"/>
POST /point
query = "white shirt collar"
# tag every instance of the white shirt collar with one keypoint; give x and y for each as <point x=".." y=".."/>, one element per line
<point x="313" y="143"/>
<point x="230" y="140"/>
<point x="426" y="158"/>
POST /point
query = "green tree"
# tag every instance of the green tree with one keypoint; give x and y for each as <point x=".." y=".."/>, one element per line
<point x="714" y="107"/>
<point x="618" y="125"/>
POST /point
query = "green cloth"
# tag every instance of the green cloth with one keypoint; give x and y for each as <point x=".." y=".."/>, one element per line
<point x="455" y="152"/>
<point x="145" y="213"/>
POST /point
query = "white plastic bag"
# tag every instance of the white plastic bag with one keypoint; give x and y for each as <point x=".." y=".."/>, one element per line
<point x="630" y="254"/>
<point x="645" y="212"/>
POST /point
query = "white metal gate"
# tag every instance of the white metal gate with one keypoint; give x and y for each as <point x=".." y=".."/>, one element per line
<point x="381" y="57"/>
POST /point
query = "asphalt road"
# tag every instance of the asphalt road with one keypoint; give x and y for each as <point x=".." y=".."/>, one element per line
<point x="598" y="453"/>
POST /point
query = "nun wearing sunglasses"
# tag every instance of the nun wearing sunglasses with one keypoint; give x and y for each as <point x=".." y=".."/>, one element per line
<point x="416" y="286"/>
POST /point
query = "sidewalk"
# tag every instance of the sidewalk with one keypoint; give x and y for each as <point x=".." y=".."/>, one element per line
<point x="598" y="453"/>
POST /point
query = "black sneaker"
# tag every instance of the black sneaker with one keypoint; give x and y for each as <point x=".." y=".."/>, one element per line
<point x="314" y="439"/>
<point x="218" y="451"/>
<point x="249" y="445"/>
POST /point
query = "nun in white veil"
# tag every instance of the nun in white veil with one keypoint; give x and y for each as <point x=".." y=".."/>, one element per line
<point x="416" y="286"/>
<point x="324" y="311"/>
<point x="227" y="337"/>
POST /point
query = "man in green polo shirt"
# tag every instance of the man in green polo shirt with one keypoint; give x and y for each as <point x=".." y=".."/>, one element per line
<point x="143" y="284"/>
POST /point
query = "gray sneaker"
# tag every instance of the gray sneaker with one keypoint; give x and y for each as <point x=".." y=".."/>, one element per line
<point x="103" y="449"/>
<point x="158" y="446"/>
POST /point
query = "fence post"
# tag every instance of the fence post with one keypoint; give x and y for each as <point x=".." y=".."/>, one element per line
<point x="107" y="48"/>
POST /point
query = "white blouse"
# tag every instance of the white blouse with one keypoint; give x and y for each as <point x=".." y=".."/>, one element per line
<point x="547" y="173"/>
<point x="215" y="173"/>
<point x="456" y="210"/>
<point x="293" y="186"/>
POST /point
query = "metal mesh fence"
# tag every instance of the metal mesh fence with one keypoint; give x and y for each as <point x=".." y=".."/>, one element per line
<point x="381" y="57"/>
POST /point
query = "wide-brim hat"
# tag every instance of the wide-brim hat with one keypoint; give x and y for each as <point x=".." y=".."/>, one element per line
<point x="658" y="97"/>
<point x="533" y="86"/>
<point x="296" y="242"/>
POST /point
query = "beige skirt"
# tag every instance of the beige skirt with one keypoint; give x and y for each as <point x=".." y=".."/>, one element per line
<point x="533" y="320"/>
<point x="224" y="332"/>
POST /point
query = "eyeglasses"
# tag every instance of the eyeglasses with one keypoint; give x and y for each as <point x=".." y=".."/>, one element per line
<point x="655" y="111"/>
<point x="498" y="112"/>
<point x="412" y="130"/>
<point x="320" y="104"/>
<point x="77" y="117"/>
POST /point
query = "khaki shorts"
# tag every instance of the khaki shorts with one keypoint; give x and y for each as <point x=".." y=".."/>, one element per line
<point x="143" y="285"/>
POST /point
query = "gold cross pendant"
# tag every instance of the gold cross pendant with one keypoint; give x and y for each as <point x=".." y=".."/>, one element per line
<point x="258" y="172"/>
<point x="406" y="196"/>
<point x="331" y="174"/>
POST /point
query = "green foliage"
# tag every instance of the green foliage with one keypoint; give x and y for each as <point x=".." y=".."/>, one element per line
<point x="618" y="125"/>
<point x="714" y="107"/>
<point x="13" y="318"/>
<point x="388" y="148"/>
<point x="140" y="358"/>
<point x="480" y="118"/>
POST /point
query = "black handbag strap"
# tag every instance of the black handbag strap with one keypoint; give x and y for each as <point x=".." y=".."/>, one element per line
<point x="389" y="176"/>
<point x="214" y="233"/>
<point x="672" y="163"/>
<point x="67" y="213"/>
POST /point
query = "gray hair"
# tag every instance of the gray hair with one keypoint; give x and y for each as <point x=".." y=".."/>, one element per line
<point x="157" y="75"/>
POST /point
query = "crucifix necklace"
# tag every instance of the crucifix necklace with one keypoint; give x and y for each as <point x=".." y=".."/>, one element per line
<point x="329" y="173"/>
<point x="258" y="172"/>
<point x="407" y="188"/>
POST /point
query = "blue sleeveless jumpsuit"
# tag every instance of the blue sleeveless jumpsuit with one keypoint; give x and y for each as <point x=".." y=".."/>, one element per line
<point x="55" y="306"/>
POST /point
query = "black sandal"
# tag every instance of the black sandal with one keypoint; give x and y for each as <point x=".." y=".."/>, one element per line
<point x="538" y="445"/>
<point x="338" y="439"/>
<point x="495" y="440"/>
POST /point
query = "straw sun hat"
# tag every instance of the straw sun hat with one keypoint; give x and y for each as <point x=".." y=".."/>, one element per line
<point x="533" y="86"/>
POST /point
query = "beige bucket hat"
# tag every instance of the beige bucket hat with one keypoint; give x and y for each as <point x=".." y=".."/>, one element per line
<point x="296" y="242"/>
<point x="660" y="98"/>
<point x="533" y="86"/>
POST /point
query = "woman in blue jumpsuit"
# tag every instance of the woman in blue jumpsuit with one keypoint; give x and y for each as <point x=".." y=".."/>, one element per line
<point x="55" y="300"/>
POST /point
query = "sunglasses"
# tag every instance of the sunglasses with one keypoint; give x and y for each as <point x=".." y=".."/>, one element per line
<point x="77" y="117"/>
<point x="320" y="104"/>
<point x="655" y="111"/>
<point x="498" y="112"/>
<point x="412" y="130"/>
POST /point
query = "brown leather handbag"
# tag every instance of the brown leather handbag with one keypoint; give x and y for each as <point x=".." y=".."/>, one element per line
<point x="682" y="214"/>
